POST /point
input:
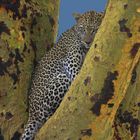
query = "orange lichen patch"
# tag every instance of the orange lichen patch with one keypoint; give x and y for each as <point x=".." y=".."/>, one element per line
<point x="20" y="37"/>
<point x="2" y="10"/>
<point x="87" y="138"/>
<point x="14" y="1"/>
<point x="138" y="10"/>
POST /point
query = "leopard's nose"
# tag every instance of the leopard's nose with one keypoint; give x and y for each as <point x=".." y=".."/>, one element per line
<point x="88" y="42"/>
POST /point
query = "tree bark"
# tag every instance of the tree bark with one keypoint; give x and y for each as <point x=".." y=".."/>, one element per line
<point x="103" y="102"/>
<point x="27" y="30"/>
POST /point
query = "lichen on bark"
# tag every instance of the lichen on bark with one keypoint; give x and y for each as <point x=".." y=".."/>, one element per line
<point x="27" y="30"/>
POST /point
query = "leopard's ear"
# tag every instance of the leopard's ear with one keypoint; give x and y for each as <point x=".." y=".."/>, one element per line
<point x="76" y="16"/>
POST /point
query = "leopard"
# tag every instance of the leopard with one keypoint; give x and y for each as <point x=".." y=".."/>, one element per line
<point x="58" y="68"/>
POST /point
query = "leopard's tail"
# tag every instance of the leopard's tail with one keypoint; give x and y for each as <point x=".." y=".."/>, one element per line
<point x="31" y="129"/>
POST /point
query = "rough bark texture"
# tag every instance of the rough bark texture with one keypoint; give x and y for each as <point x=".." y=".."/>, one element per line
<point x="27" y="30"/>
<point x="103" y="102"/>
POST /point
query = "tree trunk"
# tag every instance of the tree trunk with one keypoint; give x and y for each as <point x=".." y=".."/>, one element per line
<point x="103" y="102"/>
<point x="27" y="30"/>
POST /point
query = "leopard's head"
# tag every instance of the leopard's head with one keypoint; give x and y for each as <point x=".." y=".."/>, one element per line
<point x="88" y="24"/>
